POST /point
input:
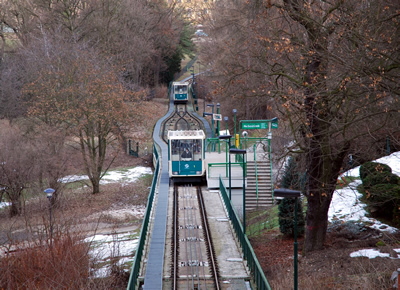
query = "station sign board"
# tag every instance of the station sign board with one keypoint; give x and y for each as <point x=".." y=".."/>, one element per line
<point x="257" y="124"/>
<point x="217" y="117"/>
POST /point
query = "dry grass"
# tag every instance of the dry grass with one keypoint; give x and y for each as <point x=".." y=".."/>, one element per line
<point x="330" y="268"/>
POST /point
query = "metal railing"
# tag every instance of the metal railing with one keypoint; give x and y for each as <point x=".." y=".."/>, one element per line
<point x="143" y="232"/>
<point x="257" y="273"/>
<point x="223" y="164"/>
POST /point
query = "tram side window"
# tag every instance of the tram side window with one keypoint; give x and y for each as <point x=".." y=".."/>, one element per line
<point x="197" y="149"/>
<point x="175" y="148"/>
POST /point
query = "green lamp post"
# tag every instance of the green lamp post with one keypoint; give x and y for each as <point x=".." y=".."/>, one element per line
<point x="228" y="138"/>
<point x="242" y="152"/>
<point x="284" y="192"/>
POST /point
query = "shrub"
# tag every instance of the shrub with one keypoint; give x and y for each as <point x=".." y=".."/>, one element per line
<point x="290" y="178"/>
<point x="286" y="217"/>
<point x="373" y="167"/>
<point x="63" y="265"/>
<point x="380" y="178"/>
<point x="384" y="198"/>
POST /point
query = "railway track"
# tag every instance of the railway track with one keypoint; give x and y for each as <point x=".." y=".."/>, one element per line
<point x="193" y="264"/>
<point x="181" y="119"/>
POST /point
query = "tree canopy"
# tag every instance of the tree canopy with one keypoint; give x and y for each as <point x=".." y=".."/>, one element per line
<point x="85" y="98"/>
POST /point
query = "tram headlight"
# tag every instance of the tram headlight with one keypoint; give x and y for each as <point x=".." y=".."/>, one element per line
<point x="175" y="172"/>
<point x="198" y="172"/>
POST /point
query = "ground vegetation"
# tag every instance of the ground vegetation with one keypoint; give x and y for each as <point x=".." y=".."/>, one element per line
<point x="381" y="191"/>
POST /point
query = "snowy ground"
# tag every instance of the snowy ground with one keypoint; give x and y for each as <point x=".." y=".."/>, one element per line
<point x="107" y="248"/>
<point x="121" y="176"/>
<point x="346" y="206"/>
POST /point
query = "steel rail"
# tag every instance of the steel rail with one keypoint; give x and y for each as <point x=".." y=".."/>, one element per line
<point x="190" y="217"/>
<point x="207" y="235"/>
<point x="200" y="252"/>
<point x="175" y="242"/>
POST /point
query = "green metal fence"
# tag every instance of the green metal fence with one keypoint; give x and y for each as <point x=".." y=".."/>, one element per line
<point x="143" y="232"/>
<point x="226" y="165"/>
<point x="248" y="253"/>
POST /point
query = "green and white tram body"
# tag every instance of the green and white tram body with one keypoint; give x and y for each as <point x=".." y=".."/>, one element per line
<point x="186" y="155"/>
<point x="180" y="91"/>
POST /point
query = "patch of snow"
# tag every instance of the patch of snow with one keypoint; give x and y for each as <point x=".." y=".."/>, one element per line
<point x="346" y="206"/>
<point x="122" y="214"/>
<point x="111" y="249"/>
<point x="126" y="176"/>
<point x="73" y="178"/>
<point x="393" y="160"/>
<point x="369" y="253"/>
<point x="123" y="176"/>
<point x="4" y="204"/>
<point x="105" y="247"/>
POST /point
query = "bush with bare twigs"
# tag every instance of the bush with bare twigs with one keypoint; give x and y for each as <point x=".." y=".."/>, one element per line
<point x="61" y="263"/>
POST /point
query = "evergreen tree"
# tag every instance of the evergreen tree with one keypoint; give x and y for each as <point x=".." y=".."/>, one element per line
<point x="286" y="208"/>
<point x="286" y="217"/>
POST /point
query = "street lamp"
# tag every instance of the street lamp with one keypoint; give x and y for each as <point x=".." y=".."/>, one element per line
<point x="228" y="137"/>
<point x="243" y="152"/>
<point x="49" y="192"/>
<point x="212" y="118"/>
<point x="269" y="135"/>
<point x="234" y="111"/>
<point x="217" y="131"/>
<point x="226" y="133"/>
<point x="284" y="192"/>
<point x="204" y="98"/>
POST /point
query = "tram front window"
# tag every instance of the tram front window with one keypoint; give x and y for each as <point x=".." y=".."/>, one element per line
<point x="186" y="150"/>
<point x="181" y="89"/>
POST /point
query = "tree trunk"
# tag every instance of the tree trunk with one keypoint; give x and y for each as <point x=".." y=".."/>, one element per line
<point x="15" y="208"/>
<point x="96" y="187"/>
<point x="317" y="222"/>
<point x="324" y="169"/>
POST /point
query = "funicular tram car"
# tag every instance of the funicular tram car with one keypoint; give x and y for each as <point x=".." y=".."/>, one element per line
<point x="186" y="155"/>
<point x="180" y="91"/>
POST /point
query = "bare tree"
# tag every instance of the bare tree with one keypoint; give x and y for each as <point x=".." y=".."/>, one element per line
<point x="17" y="167"/>
<point x="84" y="97"/>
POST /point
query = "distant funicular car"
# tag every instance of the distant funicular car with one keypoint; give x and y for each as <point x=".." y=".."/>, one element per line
<point x="180" y="91"/>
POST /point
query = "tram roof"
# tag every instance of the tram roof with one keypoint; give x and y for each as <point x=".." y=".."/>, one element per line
<point x="180" y="83"/>
<point x="189" y="134"/>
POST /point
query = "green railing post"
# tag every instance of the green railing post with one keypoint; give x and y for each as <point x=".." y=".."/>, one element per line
<point x="255" y="165"/>
<point x="234" y="111"/>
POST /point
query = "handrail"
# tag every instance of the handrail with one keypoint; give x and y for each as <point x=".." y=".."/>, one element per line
<point x="255" y="166"/>
<point x="270" y="163"/>
<point x="222" y="164"/>
<point x="143" y="232"/>
<point x="211" y="141"/>
<point x="252" y="262"/>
